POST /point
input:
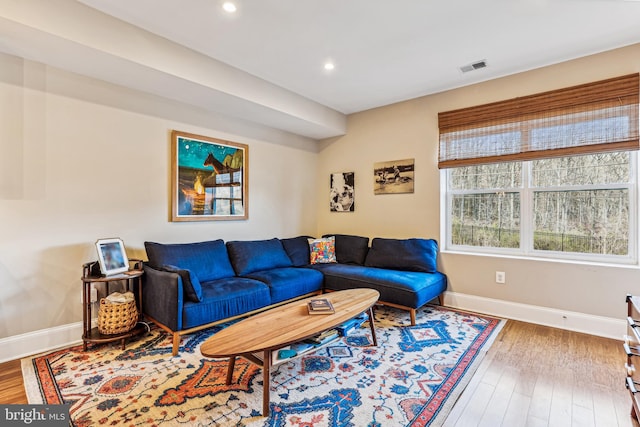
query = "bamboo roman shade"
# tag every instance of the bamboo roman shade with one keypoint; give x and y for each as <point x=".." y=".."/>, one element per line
<point x="585" y="119"/>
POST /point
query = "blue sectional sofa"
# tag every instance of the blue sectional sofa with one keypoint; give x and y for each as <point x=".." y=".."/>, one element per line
<point x="403" y="271"/>
<point x="192" y="286"/>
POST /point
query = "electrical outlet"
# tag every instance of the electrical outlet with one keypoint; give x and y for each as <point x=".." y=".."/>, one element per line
<point x="94" y="294"/>
<point x="501" y="277"/>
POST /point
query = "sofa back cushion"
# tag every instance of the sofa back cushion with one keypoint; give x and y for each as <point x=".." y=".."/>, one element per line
<point x="207" y="260"/>
<point x="257" y="255"/>
<point x="350" y="249"/>
<point x="407" y="255"/>
<point x="298" y="250"/>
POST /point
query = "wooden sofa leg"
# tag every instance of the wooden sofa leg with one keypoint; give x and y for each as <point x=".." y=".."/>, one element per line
<point x="441" y="300"/>
<point x="176" y="343"/>
<point x="412" y="314"/>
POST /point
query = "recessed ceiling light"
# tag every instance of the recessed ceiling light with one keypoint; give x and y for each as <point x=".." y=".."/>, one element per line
<point x="229" y="7"/>
<point x="329" y="66"/>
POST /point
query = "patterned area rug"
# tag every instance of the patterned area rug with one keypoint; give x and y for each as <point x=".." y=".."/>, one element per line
<point x="412" y="378"/>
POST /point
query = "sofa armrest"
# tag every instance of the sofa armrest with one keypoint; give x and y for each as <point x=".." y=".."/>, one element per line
<point x="163" y="297"/>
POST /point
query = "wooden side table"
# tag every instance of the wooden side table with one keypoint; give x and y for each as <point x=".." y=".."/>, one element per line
<point x="91" y="275"/>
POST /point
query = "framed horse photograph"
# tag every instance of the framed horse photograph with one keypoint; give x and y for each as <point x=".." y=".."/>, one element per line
<point x="393" y="176"/>
<point x="209" y="178"/>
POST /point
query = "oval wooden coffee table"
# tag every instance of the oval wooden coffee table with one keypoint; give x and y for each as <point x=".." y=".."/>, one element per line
<point x="284" y="325"/>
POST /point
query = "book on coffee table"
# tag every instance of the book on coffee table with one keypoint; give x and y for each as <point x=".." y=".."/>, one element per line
<point x="301" y="348"/>
<point x="320" y="306"/>
<point x="325" y="337"/>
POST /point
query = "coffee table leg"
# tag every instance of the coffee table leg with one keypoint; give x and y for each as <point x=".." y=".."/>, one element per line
<point x="232" y="365"/>
<point x="373" y="327"/>
<point x="265" y="380"/>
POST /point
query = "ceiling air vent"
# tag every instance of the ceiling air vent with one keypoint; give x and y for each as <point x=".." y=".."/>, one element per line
<point x="475" y="66"/>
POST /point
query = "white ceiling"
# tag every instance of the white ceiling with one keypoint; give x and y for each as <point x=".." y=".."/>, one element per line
<point x="384" y="51"/>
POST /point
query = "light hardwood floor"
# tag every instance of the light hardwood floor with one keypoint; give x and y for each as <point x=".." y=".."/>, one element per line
<point x="11" y="385"/>
<point x="531" y="376"/>
<point x="538" y="376"/>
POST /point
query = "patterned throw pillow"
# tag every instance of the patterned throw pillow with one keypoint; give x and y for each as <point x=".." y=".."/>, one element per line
<point x="322" y="251"/>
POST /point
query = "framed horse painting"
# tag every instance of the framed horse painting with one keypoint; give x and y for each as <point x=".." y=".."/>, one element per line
<point x="209" y="178"/>
<point x="393" y="177"/>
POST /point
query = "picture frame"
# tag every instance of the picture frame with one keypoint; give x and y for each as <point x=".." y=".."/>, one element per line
<point x="394" y="176"/>
<point x="112" y="256"/>
<point x="342" y="194"/>
<point x="209" y="178"/>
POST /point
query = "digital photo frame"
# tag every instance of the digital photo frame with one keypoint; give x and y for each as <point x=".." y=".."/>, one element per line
<point x="112" y="256"/>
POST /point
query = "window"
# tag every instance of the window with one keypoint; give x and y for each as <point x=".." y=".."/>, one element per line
<point x="549" y="183"/>
<point x="484" y="205"/>
<point x="570" y="207"/>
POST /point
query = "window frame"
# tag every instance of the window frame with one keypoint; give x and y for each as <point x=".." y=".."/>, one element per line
<point x="527" y="192"/>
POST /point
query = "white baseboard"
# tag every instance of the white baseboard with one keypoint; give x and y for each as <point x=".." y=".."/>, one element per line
<point x="30" y="343"/>
<point x="19" y="346"/>
<point x="570" y="320"/>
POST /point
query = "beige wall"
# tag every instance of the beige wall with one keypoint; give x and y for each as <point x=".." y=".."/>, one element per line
<point x="410" y="130"/>
<point x="81" y="159"/>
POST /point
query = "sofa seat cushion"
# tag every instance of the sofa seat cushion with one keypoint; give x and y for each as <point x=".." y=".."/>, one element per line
<point x="207" y="260"/>
<point x="407" y="288"/>
<point x="257" y="255"/>
<point x="291" y="282"/>
<point x="225" y="298"/>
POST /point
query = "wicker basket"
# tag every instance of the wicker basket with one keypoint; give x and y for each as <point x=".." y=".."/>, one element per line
<point x="116" y="318"/>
